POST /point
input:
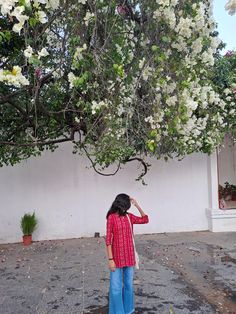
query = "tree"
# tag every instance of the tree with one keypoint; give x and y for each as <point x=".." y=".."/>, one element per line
<point x="121" y="80"/>
<point x="224" y="77"/>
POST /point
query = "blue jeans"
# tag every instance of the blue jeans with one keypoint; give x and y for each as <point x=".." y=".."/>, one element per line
<point x="121" y="293"/>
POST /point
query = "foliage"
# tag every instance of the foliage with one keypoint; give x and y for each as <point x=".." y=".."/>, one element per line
<point x="224" y="78"/>
<point x="228" y="190"/>
<point x="28" y="224"/>
<point x="121" y="80"/>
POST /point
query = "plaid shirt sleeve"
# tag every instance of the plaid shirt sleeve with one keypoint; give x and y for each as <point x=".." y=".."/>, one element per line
<point x="139" y="220"/>
<point x="109" y="230"/>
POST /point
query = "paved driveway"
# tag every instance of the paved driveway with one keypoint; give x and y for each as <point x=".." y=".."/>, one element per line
<point x="180" y="273"/>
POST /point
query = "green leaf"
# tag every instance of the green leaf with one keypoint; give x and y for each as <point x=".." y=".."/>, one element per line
<point x="33" y="21"/>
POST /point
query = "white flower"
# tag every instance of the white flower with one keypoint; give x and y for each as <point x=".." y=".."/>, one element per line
<point x="207" y="57"/>
<point x="14" y="77"/>
<point x="17" y="12"/>
<point x="185" y="27"/>
<point x="78" y="53"/>
<point x="231" y="7"/>
<point x="227" y="91"/>
<point x="57" y="73"/>
<point x="197" y="46"/>
<point x="43" y="53"/>
<point x="82" y="1"/>
<point x="169" y="87"/>
<point x="171" y="101"/>
<point x="42" y="17"/>
<point x="141" y="63"/>
<point x="27" y="3"/>
<point x="192" y="104"/>
<point x="96" y="106"/>
<point x="157" y="14"/>
<point x="169" y="14"/>
<point x="7" y="6"/>
<point x="28" y="52"/>
<point x="215" y="42"/>
<point x="17" y="27"/>
<point x="71" y="79"/>
<point x="88" y="17"/>
<point x="181" y="45"/>
<point x="120" y="110"/>
<point x="164" y="3"/>
<point x="54" y="4"/>
<point x="146" y="73"/>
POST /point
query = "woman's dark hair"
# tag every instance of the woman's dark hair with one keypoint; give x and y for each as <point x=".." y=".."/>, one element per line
<point x="120" y="205"/>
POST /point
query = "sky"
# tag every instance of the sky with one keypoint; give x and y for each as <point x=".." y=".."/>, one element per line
<point x="226" y="24"/>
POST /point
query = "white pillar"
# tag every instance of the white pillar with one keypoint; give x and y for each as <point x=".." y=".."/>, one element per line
<point x="213" y="181"/>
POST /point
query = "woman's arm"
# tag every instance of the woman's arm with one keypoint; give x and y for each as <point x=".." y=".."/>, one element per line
<point x="109" y="252"/>
<point x="111" y="263"/>
<point x="135" y="203"/>
<point x="109" y="238"/>
<point x="135" y="219"/>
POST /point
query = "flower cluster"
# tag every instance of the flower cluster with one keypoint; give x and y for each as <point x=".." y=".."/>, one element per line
<point x="132" y="79"/>
<point x="28" y="53"/>
<point x="14" y="9"/>
<point x="98" y="105"/>
<point x="14" y="77"/>
<point x="231" y="7"/>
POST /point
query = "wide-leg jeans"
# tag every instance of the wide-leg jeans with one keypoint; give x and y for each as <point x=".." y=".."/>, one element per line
<point x="121" y="293"/>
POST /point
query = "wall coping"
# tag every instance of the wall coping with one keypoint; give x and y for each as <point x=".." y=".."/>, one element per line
<point x="221" y="213"/>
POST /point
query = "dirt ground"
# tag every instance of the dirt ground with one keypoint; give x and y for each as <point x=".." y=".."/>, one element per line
<point x="192" y="272"/>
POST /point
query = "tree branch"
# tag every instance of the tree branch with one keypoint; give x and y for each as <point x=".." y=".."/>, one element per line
<point x="18" y="108"/>
<point x="35" y="143"/>
<point x="40" y="143"/>
<point x="6" y="98"/>
<point x="144" y="164"/>
<point x="94" y="166"/>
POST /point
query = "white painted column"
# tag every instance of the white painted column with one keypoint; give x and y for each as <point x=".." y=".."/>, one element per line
<point x="213" y="180"/>
<point x="212" y="169"/>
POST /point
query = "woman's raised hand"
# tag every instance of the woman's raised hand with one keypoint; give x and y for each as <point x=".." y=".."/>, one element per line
<point x="133" y="201"/>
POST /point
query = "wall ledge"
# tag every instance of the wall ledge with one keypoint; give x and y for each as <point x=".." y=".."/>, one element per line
<point x="221" y="220"/>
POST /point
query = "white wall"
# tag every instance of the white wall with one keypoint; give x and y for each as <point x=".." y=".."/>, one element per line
<point x="71" y="201"/>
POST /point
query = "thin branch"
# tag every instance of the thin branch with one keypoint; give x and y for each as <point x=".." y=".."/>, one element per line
<point x="6" y="98"/>
<point x="35" y="143"/>
<point x="95" y="169"/>
<point x="40" y="143"/>
<point x="18" y="108"/>
<point x="145" y="166"/>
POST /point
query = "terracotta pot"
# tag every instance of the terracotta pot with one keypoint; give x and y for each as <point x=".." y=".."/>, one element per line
<point x="27" y="239"/>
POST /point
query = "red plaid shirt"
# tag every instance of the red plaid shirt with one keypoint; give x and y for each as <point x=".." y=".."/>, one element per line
<point x="119" y="236"/>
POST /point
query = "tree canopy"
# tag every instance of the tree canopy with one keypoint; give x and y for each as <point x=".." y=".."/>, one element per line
<point x="121" y="80"/>
<point x="224" y="78"/>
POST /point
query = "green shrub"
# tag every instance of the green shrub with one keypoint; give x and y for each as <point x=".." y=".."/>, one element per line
<point x="28" y="224"/>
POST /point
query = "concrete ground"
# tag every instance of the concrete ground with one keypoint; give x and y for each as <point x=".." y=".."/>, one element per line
<point x="180" y="273"/>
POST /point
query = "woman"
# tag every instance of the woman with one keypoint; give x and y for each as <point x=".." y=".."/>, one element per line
<point x="120" y="251"/>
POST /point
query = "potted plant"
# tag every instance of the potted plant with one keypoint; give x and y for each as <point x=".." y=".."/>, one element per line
<point x="28" y="225"/>
<point x="228" y="192"/>
<point x="221" y="192"/>
<point x="233" y="188"/>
